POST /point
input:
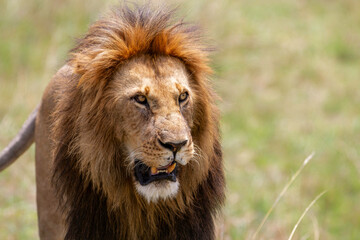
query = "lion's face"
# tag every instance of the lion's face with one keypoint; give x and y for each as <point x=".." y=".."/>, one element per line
<point x="155" y="118"/>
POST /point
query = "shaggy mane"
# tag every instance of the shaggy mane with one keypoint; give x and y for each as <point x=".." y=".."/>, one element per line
<point x="96" y="193"/>
<point x="128" y="32"/>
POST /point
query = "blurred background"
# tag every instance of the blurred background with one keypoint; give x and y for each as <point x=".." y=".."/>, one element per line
<point x="288" y="74"/>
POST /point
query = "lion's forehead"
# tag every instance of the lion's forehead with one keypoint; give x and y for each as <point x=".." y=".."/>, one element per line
<point x="163" y="79"/>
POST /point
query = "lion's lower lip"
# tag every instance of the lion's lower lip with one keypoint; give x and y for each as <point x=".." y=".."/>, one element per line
<point x="145" y="175"/>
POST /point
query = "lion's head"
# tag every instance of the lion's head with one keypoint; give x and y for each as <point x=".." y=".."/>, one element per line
<point x="136" y="122"/>
<point x="155" y="114"/>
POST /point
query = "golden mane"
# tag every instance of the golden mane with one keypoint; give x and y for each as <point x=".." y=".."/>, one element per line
<point x="86" y="188"/>
<point x="126" y="33"/>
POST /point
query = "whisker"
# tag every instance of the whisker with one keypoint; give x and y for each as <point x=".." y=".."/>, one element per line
<point x="198" y="154"/>
<point x="129" y="161"/>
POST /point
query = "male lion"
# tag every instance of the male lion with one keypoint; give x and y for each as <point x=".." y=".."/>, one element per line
<point x="127" y="140"/>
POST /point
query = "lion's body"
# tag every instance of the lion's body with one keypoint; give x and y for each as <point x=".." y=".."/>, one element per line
<point x="51" y="223"/>
<point x="127" y="142"/>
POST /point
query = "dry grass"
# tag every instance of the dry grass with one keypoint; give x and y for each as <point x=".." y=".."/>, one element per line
<point x="280" y="196"/>
<point x="288" y="73"/>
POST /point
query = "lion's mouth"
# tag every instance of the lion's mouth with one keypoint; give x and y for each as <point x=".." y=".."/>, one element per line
<point x="145" y="174"/>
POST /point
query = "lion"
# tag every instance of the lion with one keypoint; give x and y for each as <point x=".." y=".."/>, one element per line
<point x="127" y="134"/>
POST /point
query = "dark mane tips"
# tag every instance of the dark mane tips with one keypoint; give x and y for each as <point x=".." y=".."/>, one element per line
<point x="127" y="32"/>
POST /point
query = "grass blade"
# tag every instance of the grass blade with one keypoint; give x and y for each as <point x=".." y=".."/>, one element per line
<point x="282" y="193"/>
<point x="303" y="214"/>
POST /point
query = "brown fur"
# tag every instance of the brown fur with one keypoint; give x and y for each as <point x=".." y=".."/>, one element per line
<point x="91" y="175"/>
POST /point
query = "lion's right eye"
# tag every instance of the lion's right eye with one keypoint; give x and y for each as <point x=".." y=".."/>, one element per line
<point x="140" y="99"/>
<point x="183" y="97"/>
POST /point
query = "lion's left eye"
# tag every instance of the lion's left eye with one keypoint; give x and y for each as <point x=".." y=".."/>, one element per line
<point x="183" y="96"/>
<point x="141" y="99"/>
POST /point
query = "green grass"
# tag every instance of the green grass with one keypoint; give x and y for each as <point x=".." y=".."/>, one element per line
<point x="288" y="74"/>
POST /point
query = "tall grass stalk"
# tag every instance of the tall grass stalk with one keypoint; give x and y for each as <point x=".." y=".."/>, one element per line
<point x="282" y="193"/>
<point x="316" y="228"/>
<point x="304" y="213"/>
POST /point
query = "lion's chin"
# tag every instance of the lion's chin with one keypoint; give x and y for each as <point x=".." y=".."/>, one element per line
<point x="159" y="190"/>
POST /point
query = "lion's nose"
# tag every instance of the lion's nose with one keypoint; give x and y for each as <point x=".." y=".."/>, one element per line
<point x="172" y="146"/>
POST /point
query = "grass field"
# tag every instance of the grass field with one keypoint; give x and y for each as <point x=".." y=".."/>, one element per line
<point x="288" y="74"/>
